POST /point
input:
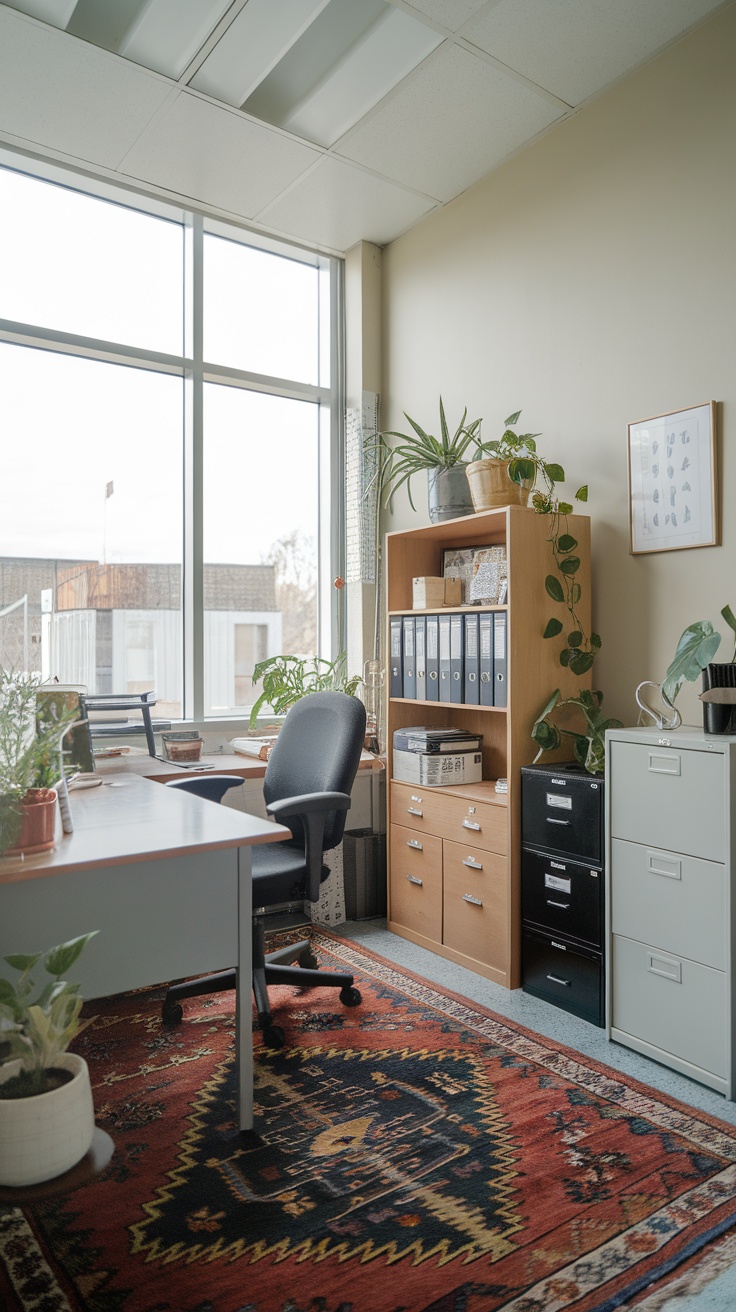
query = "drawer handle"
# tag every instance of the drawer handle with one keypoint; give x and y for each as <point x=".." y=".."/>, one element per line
<point x="414" y="798"/>
<point x="412" y="810"/>
<point x="475" y="901"/>
<point x="556" y="980"/>
<point x="660" y="864"/>
<point x="414" y="842"/>
<point x="661" y="764"/>
<point x="471" y="824"/>
<point x="666" y="967"/>
<point x="552" y="820"/>
<point x="564" y="906"/>
<point x="413" y="880"/>
<point x="472" y="863"/>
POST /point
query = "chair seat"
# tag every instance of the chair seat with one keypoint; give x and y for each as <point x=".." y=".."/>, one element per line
<point x="279" y="873"/>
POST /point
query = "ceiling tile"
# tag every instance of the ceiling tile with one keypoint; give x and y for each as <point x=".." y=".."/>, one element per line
<point x="447" y="125"/>
<point x="69" y="96"/>
<point x="450" y="13"/>
<point x="336" y="206"/>
<point x="574" y="48"/>
<point x="216" y="156"/>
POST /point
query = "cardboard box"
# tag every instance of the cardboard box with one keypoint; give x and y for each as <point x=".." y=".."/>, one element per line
<point x="430" y="593"/>
<point x="439" y="770"/>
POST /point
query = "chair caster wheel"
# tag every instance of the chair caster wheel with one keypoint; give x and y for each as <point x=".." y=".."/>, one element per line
<point x="274" y="1037"/>
<point x="350" y="997"/>
<point x="307" y="960"/>
<point x="172" y="1013"/>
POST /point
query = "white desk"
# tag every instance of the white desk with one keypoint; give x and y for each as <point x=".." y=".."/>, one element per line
<point x="163" y="876"/>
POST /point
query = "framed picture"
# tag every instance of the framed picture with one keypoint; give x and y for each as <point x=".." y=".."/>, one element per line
<point x="672" y="481"/>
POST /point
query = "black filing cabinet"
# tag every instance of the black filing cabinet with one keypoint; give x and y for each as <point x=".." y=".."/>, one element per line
<point x="562" y="888"/>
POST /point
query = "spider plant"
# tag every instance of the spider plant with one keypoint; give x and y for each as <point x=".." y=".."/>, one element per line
<point x="419" y="450"/>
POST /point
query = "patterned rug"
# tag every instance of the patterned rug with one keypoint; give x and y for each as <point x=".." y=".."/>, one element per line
<point x="414" y="1154"/>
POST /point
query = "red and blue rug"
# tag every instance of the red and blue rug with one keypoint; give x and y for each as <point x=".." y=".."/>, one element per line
<point x="414" y="1154"/>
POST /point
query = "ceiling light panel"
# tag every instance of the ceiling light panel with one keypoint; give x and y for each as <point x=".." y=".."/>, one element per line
<point x="255" y="41"/>
<point x="167" y="34"/>
<point x="55" y="12"/>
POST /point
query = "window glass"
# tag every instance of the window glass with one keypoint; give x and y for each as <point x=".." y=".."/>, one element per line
<point x="261" y="471"/>
<point x="84" y="266"/>
<point x="91" y="523"/>
<point x="260" y="311"/>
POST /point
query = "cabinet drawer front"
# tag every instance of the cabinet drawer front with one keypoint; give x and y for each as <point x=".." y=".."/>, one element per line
<point x="669" y="899"/>
<point x="416" y="881"/>
<point x="475" y="903"/>
<point x="563" y="813"/>
<point x="563" y="973"/>
<point x="672" y="1002"/>
<point x="669" y="797"/>
<point x="563" y="897"/>
<point x="481" y="823"/>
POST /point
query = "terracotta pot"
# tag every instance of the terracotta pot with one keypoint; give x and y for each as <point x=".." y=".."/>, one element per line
<point x="38" y="823"/>
<point x="490" y="485"/>
<point x="43" y="1136"/>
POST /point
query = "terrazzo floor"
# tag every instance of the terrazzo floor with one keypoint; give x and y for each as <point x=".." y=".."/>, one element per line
<point x="719" y="1295"/>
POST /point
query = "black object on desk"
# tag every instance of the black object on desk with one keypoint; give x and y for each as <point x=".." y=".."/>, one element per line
<point x="562" y="888"/>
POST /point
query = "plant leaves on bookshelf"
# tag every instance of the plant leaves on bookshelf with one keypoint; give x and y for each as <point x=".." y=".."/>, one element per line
<point x="553" y="588"/>
<point x="553" y="628"/>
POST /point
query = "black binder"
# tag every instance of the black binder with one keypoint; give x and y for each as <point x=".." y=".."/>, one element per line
<point x="471" y="694"/>
<point x="396" y="688"/>
<point x="456" y="658"/>
<point x="485" y="658"/>
<point x="432" y="691"/>
<point x="445" y="679"/>
<point x="410" y="674"/>
<point x="500" y="694"/>
<point x="420" y="656"/>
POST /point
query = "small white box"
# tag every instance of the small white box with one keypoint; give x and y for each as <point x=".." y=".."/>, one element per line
<point x="429" y="593"/>
<point x="438" y="770"/>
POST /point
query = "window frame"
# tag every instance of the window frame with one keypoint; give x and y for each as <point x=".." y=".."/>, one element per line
<point x="196" y="372"/>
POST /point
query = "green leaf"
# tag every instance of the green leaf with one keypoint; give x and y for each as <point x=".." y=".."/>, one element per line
<point x="575" y="594"/>
<point x="696" y="648"/>
<point x="595" y="641"/>
<point x="58" y="960"/>
<point x="553" y="588"/>
<point x="546" y="735"/>
<point x="23" y="962"/>
<point x="555" y="472"/>
<point x="553" y="628"/>
<point x="581" y="662"/>
<point x="582" y="493"/>
<point x="575" y="638"/>
<point x="521" y="470"/>
<point x="566" y="542"/>
<point x="512" y="419"/>
<point x="550" y="706"/>
<point x="580" y="748"/>
<point x="570" y="565"/>
<point x="565" y="508"/>
<point x="729" y="617"/>
<point x="565" y="655"/>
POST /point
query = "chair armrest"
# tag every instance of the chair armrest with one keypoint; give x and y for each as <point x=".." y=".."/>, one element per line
<point x="313" y="809"/>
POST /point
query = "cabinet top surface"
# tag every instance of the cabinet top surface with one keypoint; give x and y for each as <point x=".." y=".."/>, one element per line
<point x="686" y="737"/>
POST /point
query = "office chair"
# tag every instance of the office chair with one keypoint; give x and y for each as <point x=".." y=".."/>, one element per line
<point x="309" y="776"/>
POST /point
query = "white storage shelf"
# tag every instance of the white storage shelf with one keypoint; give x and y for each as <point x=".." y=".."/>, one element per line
<point x="670" y="799"/>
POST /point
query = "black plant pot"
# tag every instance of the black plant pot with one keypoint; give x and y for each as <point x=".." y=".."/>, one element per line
<point x="719" y="718"/>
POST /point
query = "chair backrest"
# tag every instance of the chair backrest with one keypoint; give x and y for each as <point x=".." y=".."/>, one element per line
<point x="317" y="751"/>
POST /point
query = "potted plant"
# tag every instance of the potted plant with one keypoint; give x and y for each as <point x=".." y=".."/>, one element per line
<point x="506" y="470"/>
<point x="588" y="745"/>
<point x="30" y="764"/>
<point x="444" y="459"/>
<point x="693" y="657"/>
<point x="286" y="679"/>
<point x="46" y="1112"/>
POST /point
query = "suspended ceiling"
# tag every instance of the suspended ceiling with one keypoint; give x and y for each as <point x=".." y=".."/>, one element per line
<point x="327" y="121"/>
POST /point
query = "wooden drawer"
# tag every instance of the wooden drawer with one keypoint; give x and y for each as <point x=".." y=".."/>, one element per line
<point x="665" y="898"/>
<point x="416" y="881"/>
<point x="669" y="797"/>
<point x="562" y="897"/>
<point x="563" y="973"/>
<point x="457" y="818"/>
<point x="475" y="903"/>
<point x="670" y="1002"/>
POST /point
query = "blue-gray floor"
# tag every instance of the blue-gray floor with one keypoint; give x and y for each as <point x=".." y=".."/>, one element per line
<point x="720" y="1293"/>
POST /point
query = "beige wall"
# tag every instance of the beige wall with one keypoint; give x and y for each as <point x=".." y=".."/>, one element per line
<point x="591" y="282"/>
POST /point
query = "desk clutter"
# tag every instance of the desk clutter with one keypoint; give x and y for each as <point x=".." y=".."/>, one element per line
<point x="437" y="758"/>
<point x="454" y="658"/>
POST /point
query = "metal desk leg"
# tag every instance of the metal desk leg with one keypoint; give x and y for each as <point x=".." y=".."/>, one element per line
<point x="243" y="1011"/>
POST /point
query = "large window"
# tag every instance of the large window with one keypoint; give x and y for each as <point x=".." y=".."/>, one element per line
<point x="168" y="456"/>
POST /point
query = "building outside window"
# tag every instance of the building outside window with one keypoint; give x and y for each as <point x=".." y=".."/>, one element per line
<point x="169" y="472"/>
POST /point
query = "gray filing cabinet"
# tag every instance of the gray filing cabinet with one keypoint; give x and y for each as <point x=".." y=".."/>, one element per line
<point x="670" y="800"/>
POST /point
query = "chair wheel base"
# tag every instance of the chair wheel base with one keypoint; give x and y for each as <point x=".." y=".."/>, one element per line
<point x="273" y="1036"/>
<point x="350" y="997"/>
<point x="307" y="960"/>
<point x="172" y="1013"/>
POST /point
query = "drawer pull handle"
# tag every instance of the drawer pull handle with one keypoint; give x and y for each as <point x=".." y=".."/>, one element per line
<point x="413" y="880"/>
<point x="471" y="824"/>
<point x="414" y="798"/>
<point x="660" y="864"/>
<point x="475" y="901"/>
<point x="412" y="810"/>
<point x="552" y="820"/>
<point x="556" y="980"/>
<point x="564" y="906"/>
<point x="665" y="967"/>
<point x="472" y="863"/>
<point x="659" y="763"/>
<point x="414" y="842"/>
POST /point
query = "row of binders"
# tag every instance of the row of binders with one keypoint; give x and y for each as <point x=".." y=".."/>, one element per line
<point x="458" y="658"/>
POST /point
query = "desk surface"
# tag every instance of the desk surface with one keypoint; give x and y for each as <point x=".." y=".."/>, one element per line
<point x="248" y="767"/>
<point x="129" y="819"/>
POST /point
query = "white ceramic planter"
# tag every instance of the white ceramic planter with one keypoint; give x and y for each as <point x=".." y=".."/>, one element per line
<point x="44" y="1136"/>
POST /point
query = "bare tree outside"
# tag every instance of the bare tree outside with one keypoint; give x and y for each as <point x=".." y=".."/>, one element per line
<point x="294" y="558"/>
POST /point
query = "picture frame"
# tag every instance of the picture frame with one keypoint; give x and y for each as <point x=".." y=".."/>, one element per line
<point x="672" y="481"/>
